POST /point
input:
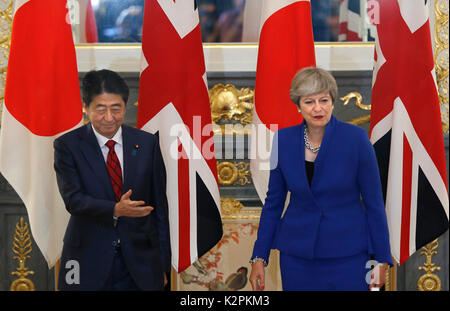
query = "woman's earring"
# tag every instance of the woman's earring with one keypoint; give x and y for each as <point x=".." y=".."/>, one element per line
<point x="299" y="110"/>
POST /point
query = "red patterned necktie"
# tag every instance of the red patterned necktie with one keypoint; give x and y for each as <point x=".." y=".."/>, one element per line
<point x="114" y="170"/>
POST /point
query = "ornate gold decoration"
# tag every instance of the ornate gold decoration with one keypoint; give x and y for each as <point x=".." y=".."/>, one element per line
<point x="358" y="101"/>
<point x="232" y="209"/>
<point x="230" y="206"/>
<point x="22" y="249"/>
<point x="230" y="173"/>
<point x="6" y="11"/>
<point x="429" y="281"/>
<point x="360" y="120"/>
<point x="441" y="9"/>
<point x="229" y="103"/>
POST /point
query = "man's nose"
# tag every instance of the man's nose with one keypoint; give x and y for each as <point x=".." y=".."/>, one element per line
<point x="108" y="115"/>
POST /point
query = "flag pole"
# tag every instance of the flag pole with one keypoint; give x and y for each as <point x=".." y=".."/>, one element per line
<point x="391" y="279"/>
<point x="57" y="264"/>
<point x="173" y="279"/>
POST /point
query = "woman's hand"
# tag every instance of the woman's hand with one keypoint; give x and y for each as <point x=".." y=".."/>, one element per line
<point x="378" y="278"/>
<point x="257" y="276"/>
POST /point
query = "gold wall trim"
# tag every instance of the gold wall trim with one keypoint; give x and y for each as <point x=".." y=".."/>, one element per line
<point x="232" y="209"/>
<point x="441" y="61"/>
<point x="22" y="248"/>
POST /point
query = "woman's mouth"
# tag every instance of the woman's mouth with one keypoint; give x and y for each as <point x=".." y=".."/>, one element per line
<point x="318" y="117"/>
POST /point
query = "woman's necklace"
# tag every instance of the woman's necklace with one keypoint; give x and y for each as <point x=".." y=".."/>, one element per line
<point x="308" y="143"/>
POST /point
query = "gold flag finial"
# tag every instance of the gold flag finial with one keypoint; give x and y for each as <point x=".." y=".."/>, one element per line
<point x="22" y="248"/>
<point x="429" y="281"/>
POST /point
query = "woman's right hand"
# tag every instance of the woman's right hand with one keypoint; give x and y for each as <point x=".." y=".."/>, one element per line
<point x="257" y="276"/>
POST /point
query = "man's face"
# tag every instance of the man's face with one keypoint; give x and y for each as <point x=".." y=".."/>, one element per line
<point x="106" y="113"/>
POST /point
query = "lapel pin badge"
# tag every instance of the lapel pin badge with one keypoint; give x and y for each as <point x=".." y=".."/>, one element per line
<point x="136" y="147"/>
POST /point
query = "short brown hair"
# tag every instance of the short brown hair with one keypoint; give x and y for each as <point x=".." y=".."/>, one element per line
<point x="311" y="81"/>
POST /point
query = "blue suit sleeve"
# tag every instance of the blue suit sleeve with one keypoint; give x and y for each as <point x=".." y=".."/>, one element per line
<point x="272" y="209"/>
<point x="78" y="203"/>
<point x="372" y="195"/>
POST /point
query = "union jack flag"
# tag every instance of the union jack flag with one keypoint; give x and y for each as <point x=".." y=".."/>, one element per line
<point x="353" y="22"/>
<point x="406" y="128"/>
<point x="174" y="102"/>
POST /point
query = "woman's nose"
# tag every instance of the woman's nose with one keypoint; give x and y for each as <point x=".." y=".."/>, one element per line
<point x="316" y="106"/>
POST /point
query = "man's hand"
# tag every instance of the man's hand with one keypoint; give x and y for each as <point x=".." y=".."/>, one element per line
<point x="127" y="207"/>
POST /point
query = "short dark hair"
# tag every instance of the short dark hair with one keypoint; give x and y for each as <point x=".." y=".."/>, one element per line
<point x="97" y="82"/>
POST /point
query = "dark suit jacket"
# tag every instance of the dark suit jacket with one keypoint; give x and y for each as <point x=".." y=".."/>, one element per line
<point x="326" y="219"/>
<point x="87" y="192"/>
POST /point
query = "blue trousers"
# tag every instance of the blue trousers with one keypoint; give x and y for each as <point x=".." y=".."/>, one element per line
<point x="119" y="278"/>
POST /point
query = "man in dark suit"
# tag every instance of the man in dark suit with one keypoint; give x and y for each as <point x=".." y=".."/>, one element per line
<point x="112" y="180"/>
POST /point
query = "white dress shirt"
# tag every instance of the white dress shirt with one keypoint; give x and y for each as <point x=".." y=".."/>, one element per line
<point x="118" y="147"/>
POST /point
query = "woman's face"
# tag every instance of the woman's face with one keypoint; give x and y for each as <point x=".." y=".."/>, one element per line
<point x="316" y="109"/>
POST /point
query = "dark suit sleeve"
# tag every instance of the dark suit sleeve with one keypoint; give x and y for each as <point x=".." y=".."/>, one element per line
<point x="161" y="209"/>
<point x="372" y="195"/>
<point x="78" y="203"/>
<point x="273" y="207"/>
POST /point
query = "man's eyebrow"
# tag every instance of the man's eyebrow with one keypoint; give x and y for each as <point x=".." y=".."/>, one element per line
<point x="112" y="105"/>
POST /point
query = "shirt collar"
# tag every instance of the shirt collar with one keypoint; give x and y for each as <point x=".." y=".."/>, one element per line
<point x="102" y="140"/>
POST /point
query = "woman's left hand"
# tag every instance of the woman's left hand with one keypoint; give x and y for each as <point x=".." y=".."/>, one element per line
<point x="378" y="278"/>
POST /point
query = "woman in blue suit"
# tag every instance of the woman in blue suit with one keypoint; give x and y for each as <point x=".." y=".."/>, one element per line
<point x="327" y="235"/>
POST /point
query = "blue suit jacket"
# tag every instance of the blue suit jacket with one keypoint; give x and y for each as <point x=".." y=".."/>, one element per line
<point x="87" y="192"/>
<point x="326" y="219"/>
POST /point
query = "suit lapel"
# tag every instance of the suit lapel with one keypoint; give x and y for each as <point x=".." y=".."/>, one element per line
<point x="300" y="154"/>
<point x="94" y="157"/>
<point x="321" y="158"/>
<point x="130" y="152"/>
